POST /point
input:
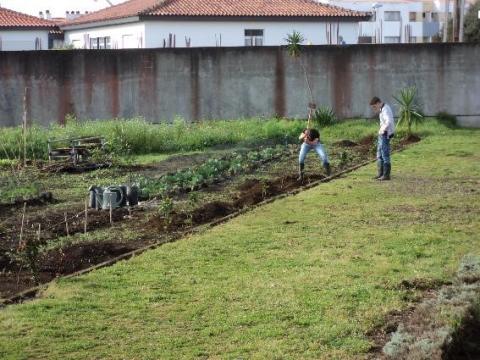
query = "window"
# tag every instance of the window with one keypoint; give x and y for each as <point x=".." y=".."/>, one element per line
<point x="392" y="16"/>
<point x="100" y="43"/>
<point x="391" y="39"/>
<point x="412" y="16"/>
<point x="253" y="37"/>
<point x="435" y="16"/>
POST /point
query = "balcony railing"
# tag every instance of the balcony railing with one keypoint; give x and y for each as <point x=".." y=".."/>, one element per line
<point x="395" y="28"/>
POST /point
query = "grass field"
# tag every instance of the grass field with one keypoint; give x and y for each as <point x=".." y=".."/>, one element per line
<point x="137" y="137"/>
<point x="304" y="277"/>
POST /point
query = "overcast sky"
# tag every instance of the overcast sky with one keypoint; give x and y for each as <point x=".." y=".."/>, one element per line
<point x="57" y="7"/>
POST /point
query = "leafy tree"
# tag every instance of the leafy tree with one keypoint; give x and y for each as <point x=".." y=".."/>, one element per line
<point x="472" y="23"/>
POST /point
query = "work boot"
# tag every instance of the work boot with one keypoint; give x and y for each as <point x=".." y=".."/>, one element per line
<point x="301" y="172"/>
<point x="379" y="170"/>
<point x="386" y="172"/>
<point x="327" y="169"/>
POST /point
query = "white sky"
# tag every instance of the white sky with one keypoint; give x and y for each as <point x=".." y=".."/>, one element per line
<point x="57" y="7"/>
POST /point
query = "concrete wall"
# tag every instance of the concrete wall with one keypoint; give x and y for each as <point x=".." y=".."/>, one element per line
<point x="229" y="83"/>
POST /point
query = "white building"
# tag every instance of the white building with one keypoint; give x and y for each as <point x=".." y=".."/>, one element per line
<point x="24" y="32"/>
<point x="398" y="21"/>
<point x="203" y="23"/>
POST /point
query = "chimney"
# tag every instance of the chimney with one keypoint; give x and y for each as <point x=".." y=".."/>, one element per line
<point x="40" y="14"/>
<point x="47" y="14"/>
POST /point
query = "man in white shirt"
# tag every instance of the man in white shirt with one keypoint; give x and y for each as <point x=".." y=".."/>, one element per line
<point x="386" y="132"/>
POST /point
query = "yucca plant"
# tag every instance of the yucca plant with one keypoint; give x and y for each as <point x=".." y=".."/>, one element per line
<point x="294" y="42"/>
<point x="324" y="116"/>
<point x="410" y="113"/>
<point x="294" y="49"/>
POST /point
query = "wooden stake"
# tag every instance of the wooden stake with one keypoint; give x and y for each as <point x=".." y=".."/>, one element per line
<point x="86" y="217"/>
<point x="309" y="124"/>
<point x="23" y="220"/>
<point x="111" y="218"/>
<point x="66" y="224"/>
<point x="25" y="127"/>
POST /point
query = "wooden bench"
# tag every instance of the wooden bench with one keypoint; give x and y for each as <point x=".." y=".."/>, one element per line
<point x="74" y="149"/>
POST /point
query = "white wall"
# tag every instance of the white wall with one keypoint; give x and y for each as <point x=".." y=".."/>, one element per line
<point x="16" y="40"/>
<point x="151" y="34"/>
<point x="122" y="36"/>
<point x="232" y="33"/>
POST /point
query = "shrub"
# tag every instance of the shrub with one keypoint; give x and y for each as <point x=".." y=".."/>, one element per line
<point x="324" y="116"/>
<point x="409" y="113"/>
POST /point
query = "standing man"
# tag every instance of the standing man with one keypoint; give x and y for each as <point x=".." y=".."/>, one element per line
<point x="386" y="132"/>
<point x="311" y="141"/>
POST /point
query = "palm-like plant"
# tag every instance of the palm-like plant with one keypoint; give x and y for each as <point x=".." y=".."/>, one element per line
<point x="294" y="42"/>
<point x="410" y="113"/>
<point x="324" y="116"/>
<point x="294" y="48"/>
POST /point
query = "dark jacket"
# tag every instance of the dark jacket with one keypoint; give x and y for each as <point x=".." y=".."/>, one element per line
<point x="312" y="134"/>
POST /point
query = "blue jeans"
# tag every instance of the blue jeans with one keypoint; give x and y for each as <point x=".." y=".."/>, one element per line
<point x="318" y="148"/>
<point x="383" y="149"/>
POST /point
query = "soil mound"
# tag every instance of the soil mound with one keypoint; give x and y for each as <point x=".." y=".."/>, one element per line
<point x="80" y="256"/>
<point x="368" y="140"/>
<point x="346" y="143"/>
<point x="410" y="139"/>
<point x="210" y="211"/>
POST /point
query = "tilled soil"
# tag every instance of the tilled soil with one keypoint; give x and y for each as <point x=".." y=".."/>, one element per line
<point x="77" y="257"/>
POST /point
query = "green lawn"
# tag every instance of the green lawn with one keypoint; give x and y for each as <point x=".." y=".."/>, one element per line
<point x="303" y="277"/>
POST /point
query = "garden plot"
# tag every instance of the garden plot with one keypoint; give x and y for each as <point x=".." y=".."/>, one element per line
<point x="308" y="276"/>
<point x="179" y="194"/>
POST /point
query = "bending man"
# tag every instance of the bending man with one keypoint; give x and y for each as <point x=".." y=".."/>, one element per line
<point x="311" y="141"/>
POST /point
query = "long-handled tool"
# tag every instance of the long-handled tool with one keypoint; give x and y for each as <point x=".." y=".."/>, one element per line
<point x="311" y="107"/>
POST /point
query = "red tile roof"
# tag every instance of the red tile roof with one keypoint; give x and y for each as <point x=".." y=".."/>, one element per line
<point x="14" y="19"/>
<point x="215" y="8"/>
<point x="263" y="8"/>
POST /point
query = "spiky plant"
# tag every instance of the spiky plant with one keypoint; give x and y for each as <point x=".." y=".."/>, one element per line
<point x="294" y="49"/>
<point x="410" y="113"/>
<point x="324" y="116"/>
<point x="294" y="43"/>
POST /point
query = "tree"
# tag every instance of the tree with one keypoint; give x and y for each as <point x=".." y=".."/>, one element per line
<point x="294" y="48"/>
<point x="472" y="23"/>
